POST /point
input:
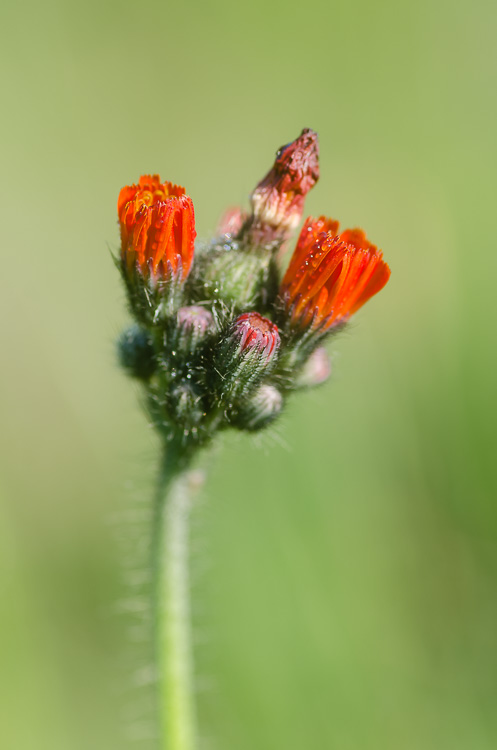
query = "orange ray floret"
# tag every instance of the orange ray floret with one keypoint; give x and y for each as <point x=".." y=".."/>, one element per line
<point x="157" y="223"/>
<point x="308" y="236"/>
<point x="331" y="275"/>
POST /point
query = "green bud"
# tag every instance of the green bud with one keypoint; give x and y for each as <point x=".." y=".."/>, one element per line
<point x="136" y="353"/>
<point x="240" y="278"/>
<point x="260" y="409"/>
<point x="185" y="403"/>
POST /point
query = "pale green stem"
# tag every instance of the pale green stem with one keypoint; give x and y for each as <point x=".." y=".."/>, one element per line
<point x="172" y="606"/>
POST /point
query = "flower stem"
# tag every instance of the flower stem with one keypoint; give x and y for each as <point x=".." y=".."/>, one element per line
<point x="171" y="604"/>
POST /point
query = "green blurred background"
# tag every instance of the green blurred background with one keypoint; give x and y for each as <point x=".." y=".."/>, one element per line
<point x="345" y="563"/>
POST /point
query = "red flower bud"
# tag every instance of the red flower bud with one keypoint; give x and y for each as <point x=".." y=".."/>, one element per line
<point x="245" y="356"/>
<point x="331" y="275"/>
<point x="278" y="200"/>
<point x="254" y="333"/>
<point x="157" y="228"/>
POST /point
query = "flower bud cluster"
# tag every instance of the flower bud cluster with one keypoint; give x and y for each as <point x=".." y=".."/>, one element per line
<point x="219" y="341"/>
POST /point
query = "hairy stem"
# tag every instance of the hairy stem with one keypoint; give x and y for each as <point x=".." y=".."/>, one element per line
<point x="171" y="604"/>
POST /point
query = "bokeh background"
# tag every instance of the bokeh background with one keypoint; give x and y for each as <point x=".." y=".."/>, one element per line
<point x="345" y="563"/>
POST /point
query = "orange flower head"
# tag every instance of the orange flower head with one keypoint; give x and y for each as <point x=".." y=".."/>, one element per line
<point x="331" y="275"/>
<point x="157" y="223"/>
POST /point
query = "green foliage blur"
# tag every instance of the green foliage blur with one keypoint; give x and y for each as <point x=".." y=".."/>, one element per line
<point x="345" y="563"/>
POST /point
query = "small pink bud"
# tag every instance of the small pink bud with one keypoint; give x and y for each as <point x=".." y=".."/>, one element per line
<point x="316" y="370"/>
<point x="232" y="221"/>
<point x="195" y="317"/>
<point x="194" y="323"/>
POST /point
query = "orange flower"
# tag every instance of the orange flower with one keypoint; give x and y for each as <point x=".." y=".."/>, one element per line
<point x="331" y="275"/>
<point x="157" y="224"/>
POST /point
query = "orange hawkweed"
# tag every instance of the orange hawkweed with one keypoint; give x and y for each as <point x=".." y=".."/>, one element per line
<point x="157" y="223"/>
<point x="331" y="275"/>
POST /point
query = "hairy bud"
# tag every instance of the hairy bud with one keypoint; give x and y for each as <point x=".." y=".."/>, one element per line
<point x="185" y="403"/>
<point x="260" y="409"/>
<point x="194" y="324"/>
<point x="136" y="353"/>
<point x="240" y="279"/>
<point x="255" y="336"/>
<point x="248" y="353"/>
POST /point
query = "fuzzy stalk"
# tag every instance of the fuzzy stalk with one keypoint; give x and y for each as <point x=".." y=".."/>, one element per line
<point x="171" y="604"/>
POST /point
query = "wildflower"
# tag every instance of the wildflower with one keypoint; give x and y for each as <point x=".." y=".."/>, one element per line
<point x="157" y="223"/>
<point x="208" y="358"/>
<point x="330" y="275"/>
<point x="219" y="340"/>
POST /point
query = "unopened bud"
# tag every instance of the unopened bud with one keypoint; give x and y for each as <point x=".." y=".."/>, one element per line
<point x="186" y="404"/>
<point x="136" y="353"/>
<point x="194" y="324"/>
<point x="255" y="335"/>
<point x="261" y="409"/>
<point x="316" y="370"/>
<point x="240" y="279"/>
<point x="278" y="200"/>
<point x="248" y="354"/>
